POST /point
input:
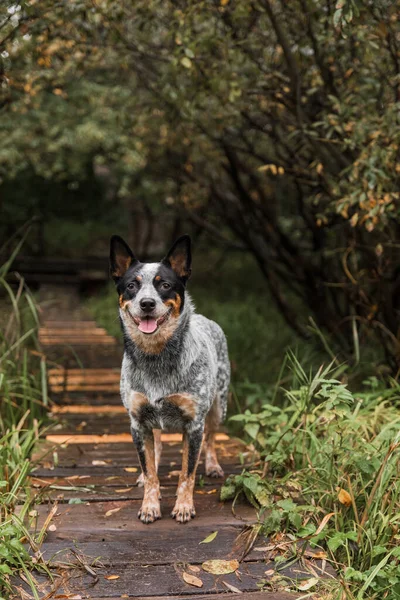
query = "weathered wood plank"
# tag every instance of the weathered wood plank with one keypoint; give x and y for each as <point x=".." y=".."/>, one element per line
<point x="166" y="580"/>
<point x="155" y="548"/>
<point x="88" y="522"/>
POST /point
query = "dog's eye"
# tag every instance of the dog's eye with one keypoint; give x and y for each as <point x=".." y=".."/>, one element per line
<point x="131" y="286"/>
<point x="165" y="286"/>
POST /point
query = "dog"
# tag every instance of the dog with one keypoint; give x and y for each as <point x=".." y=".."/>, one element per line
<point x="175" y="370"/>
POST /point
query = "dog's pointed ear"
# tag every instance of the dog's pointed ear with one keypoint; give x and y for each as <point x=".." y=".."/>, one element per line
<point x="179" y="258"/>
<point x="121" y="257"/>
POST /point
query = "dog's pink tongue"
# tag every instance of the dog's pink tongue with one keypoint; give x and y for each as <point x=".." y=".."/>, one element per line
<point x="148" y="325"/>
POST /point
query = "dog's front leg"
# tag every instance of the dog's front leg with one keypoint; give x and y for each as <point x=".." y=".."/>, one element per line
<point x="144" y="442"/>
<point x="184" y="506"/>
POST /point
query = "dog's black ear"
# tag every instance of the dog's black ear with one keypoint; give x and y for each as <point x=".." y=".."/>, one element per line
<point x="179" y="258"/>
<point x="121" y="257"/>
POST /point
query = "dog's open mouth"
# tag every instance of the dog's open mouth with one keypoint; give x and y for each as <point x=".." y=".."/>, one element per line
<point x="150" y="324"/>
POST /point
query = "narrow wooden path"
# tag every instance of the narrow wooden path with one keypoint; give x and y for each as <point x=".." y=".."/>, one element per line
<point x="89" y="494"/>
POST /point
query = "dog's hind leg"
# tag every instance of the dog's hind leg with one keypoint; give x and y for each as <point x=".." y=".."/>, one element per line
<point x="213" y="468"/>
<point x="157" y="453"/>
<point x="144" y="442"/>
<point x="184" y="506"/>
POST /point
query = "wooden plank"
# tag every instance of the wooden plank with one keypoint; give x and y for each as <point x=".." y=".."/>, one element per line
<point x="156" y="548"/>
<point x="141" y="581"/>
<point x="257" y="595"/>
<point x="87" y="522"/>
<point x="87" y="409"/>
<point x="111" y="388"/>
<point x="61" y="371"/>
<point x="119" y="471"/>
<point x="112" y="438"/>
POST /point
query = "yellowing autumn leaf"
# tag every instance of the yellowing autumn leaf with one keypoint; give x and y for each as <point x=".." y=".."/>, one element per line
<point x="194" y="568"/>
<point x="112" y="511"/>
<point x="111" y="577"/>
<point x="220" y="567"/>
<point x="122" y="490"/>
<point x="192" y="580"/>
<point x="131" y="469"/>
<point x="308" y="584"/>
<point x="209" y="538"/>
<point x="344" y="497"/>
<point x="224" y="2"/>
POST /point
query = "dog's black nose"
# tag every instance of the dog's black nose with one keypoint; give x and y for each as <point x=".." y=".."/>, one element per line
<point x="147" y="304"/>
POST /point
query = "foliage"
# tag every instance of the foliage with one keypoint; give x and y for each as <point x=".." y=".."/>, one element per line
<point x="332" y="463"/>
<point x="23" y="395"/>
<point x="280" y="119"/>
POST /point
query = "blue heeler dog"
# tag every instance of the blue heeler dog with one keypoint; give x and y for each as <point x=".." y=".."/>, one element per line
<point x="175" y="371"/>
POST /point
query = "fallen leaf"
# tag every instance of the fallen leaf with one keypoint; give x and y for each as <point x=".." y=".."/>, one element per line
<point x="209" y="538"/>
<point x="98" y="463"/>
<point x="112" y="511"/>
<point x="308" y="584"/>
<point x="174" y="474"/>
<point x="131" y="469"/>
<point x="323" y="522"/>
<point x="270" y="572"/>
<point x="192" y="580"/>
<point x="232" y="588"/>
<point x="121" y="490"/>
<point x="111" y="577"/>
<point x="344" y="497"/>
<point x="220" y="567"/>
<point x="52" y="527"/>
<point x="194" y="568"/>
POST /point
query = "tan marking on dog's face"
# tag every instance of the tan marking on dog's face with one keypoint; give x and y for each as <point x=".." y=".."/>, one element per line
<point x="122" y="302"/>
<point x="175" y="305"/>
<point x="136" y="402"/>
<point x="139" y="278"/>
<point x="157" y="278"/>
<point x="185" y="402"/>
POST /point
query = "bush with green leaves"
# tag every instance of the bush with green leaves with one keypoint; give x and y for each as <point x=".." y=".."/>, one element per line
<point x="23" y="396"/>
<point x="328" y="452"/>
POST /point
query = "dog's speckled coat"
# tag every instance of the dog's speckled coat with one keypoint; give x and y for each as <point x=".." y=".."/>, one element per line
<point x="175" y="378"/>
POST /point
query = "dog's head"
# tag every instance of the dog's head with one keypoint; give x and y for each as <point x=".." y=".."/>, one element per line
<point x="151" y="295"/>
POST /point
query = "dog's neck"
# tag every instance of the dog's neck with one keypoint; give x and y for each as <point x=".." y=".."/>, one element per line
<point x="165" y="345"/>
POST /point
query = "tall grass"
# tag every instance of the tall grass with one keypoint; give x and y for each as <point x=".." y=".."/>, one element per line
<point x="329" y="474"/>
<point x="23" y="395"/>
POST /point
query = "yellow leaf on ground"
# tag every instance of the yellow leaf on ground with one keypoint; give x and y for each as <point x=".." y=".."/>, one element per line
<point x="232" y="588"/>
<point x="194" y="568"/>
<point x="122" y="490"/>
<point x="192" y="580"/>
<point x="220" y="567"/>
<point x="52" y="527"/>
<point x="344" y="497"/>
<point x="131" y="469"/>
<point x="308" y="584"/>
<point x="112" y="511"/>
<point x="209" y="538"/>
<point x="111" y="577"/>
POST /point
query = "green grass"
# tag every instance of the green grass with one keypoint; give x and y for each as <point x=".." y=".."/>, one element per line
<point x="23" y="396"/>
<point x="328" y="473"/>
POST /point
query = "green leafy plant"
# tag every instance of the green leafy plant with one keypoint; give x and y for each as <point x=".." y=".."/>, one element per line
<point x="23" y="396"/>
<point x="328" y="473"/>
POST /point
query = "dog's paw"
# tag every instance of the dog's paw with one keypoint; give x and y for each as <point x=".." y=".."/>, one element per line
<point x="183" y="511"/>
<point x="140" y="480"/>
<point x="214" y="470"/>
<point x="149" y="512"/>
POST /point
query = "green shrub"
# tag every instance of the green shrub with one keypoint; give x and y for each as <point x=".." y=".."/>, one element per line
<point x="329" y="474"/>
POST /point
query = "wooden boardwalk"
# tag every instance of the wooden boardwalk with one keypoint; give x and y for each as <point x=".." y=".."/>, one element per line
<point x="98" y="546"/>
